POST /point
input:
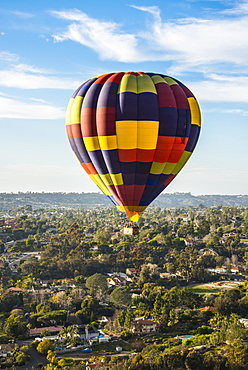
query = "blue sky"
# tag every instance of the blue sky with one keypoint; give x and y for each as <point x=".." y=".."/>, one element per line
<point x="48" y="48"/>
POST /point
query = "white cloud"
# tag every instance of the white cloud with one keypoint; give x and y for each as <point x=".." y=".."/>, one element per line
<point x="6" y="56"/>
<point x="44" y="37"/>
<point x="240" y="112"/>
<point x="154" y="10"/>
<point x="105" y="38"/>
<point x="240" y="8"/>
<point x="200" y="42"/>
<point x="32" y="69"/>
<point x="188" y="43"/>
<point x="221" y="88"/>
<point x="22" y="78"/>
<point x="20" y="109"/>
<point x="22" y="14"/>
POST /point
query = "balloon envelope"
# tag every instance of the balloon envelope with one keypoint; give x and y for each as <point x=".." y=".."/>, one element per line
<point x="133" y="132"/>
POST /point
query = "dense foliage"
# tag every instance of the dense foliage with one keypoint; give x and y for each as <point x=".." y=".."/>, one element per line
<point x="68" y="267"/>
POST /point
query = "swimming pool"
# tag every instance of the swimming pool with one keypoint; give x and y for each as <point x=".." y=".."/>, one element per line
<point x="185" y="336"/>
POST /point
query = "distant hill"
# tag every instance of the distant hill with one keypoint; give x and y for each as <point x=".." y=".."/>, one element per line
<point x="82" y="200"/>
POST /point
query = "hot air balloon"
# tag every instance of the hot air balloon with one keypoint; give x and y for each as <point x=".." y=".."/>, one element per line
<point x="133" y="132"/>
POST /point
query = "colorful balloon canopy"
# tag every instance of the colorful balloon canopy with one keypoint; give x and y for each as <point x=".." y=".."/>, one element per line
<point x="132" y="133"/>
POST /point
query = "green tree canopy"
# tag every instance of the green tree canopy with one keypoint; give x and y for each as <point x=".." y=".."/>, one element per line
<point x="96" y="283"/>
<point x="120" y="296"/>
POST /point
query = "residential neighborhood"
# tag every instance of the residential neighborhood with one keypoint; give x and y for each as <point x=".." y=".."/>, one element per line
<point x="74" y="286"/>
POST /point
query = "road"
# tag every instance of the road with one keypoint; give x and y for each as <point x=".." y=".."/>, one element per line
<point x="36" y="358"/>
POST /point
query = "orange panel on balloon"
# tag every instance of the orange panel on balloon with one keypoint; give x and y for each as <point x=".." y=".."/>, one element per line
<point x="127" y="155"/>
<point x="89" y="168"/>
<point x="145" y="155"/>
<point x="76" y="130"/>
<point x="162" y="155"/>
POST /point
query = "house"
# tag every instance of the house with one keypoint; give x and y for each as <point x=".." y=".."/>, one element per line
<point x="6" y="350"/>
<point x="236" y="270"/>
<point x="37" y="331"/>
<point x="117" y="281"/>
<point x="144" y="326"/>
<point x="40" y="293"/>
<point x="67" y="281"/>
<point x="14" y="290"/>
<point x="218" y="270"/>
<point x="244" y="322"/>
<point x="131" y="271"/>
<point x="98" y="365"/>
<point x="195" y="243"/>
<point x="166" y="275"/>
<point x="90" y="334"/>
<point x="207" y="308"/>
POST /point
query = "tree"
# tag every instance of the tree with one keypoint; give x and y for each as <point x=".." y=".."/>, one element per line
<point x="51" y="357"/>
<point x="2" y="246"/>
<point x="149" y="272"/>
<point x="225" y="305"/>
<point x="174" y="359"/>
<point x="125" y="318"/>
<point x="15" y="326"/>
<point x="8" y="301"/>
<point x="62" y="300"/>
<point x="152" y="356"/>
<point x="237" y="355"/>
<point x="44" y="346"/>
<point x="203" y="228"/>
<point x="186" y="230"/>
<point x="30" y="266"/>
<point x="70" y="334"/>
<point x="212" y="360"/>
<point x="41" y="308"/>
<point x="120" y="296"/>
<point x="20" y="358"/>
<point x="193" y="360"/>
<point x="234" y="294"/>
<point x="62" y="363"/>
<point x="103" y="236"/>
<point x="57" y="316"/>
<point x="189" y="264"/>
<point x="90" y="308"/>
<point x="96" y="283"/>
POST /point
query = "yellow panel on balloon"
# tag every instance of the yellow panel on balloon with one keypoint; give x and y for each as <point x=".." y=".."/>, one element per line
<point x="145" y="84"/>
<point x="128" y="84"/>
<point x="195" y="112"/>
<point x="184" y="158"/>
<point x="76" y="110"/>
<point x="133" y="212"/>
<point x="126" y="132"/>
<point x="116" y="178"/>
<point x="107" y="179"/>
<point x="108" y="142"/>
<point x="157" y="79"/>
<point x="170" y="81"/>
<point x="98" y="181"/>
<point x="68" y="112"/>
<point x="168" y="168"/>
<point x="157" y="168"/>
<point x="147" y="134"/>
<point x="91" y="143"/>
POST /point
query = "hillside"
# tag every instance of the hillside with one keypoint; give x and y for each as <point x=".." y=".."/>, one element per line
<point x="82" y="200"/>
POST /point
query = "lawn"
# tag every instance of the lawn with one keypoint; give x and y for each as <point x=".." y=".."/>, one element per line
<point x="206" y="289"/>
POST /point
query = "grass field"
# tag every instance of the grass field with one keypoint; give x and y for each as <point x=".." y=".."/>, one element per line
<point x="206" y="289"/>
<point x="214" y="288"/>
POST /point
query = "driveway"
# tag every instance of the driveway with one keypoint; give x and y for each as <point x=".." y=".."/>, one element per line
<point x="36" y="358"/>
